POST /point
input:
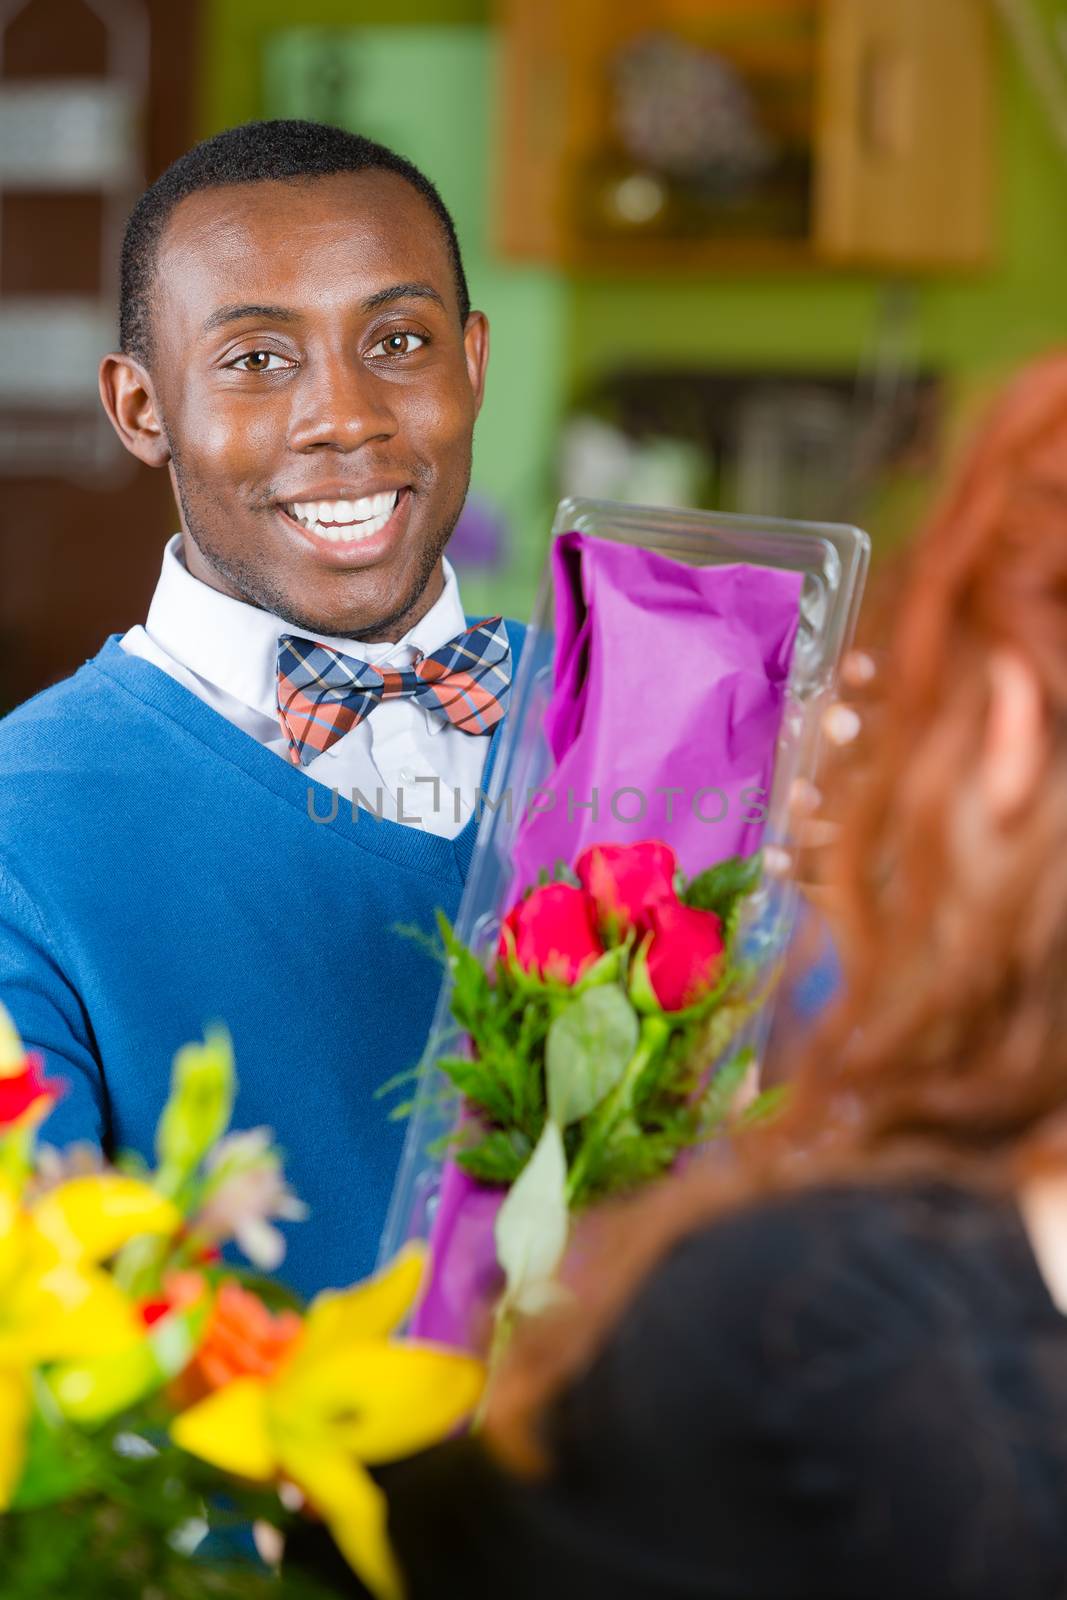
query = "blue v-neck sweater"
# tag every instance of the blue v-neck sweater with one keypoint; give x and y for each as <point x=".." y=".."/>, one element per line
<point x="159" y="871"/>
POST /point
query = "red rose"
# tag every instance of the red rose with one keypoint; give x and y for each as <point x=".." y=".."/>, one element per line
<point x="626" y="881"/>
<point x="554" y="930"/>
<point x="27" y="1092"/>
<point x="684" y="955"/>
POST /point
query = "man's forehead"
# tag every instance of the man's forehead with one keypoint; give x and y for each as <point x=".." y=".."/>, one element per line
<point x="345" y="231"/>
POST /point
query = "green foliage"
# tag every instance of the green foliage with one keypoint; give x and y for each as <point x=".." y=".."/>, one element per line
<point x="559" y="872"/>
<point x="499" y="1157"/>
<point x="586" y="1052"/>
<point x="480" y="1082"/>
<point x="722" y="887"/>
<point x="638" y="1154"/>
<point x="507" y="1027"/>
<point x="717" y="1101"/>
<point x="427" y="943"/>
<point x="766" y="1106"/>
<point x="129" y="1535"/>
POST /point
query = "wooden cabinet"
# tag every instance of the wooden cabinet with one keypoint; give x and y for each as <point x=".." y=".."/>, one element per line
<point x="880" y="112"/>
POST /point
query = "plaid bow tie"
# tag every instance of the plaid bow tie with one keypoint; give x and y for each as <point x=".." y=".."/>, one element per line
<point x="322" y="693"/>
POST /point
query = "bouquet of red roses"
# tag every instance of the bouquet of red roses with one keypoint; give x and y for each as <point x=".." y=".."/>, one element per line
<point x="600" y="1041"/>
<point x="672" y="657"/>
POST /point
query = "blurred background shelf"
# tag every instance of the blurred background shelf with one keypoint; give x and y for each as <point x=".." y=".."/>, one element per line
<point x="691" y="135"/>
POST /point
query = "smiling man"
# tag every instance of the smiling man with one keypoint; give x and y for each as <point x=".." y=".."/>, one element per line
<point x="238" y="811"/>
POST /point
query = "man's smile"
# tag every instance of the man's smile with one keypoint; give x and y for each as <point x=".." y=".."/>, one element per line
<point x="344" y="516"/>
<point x="349" y="532"/>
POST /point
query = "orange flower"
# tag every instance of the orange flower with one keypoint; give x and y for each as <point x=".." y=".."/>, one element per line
<point x="242" y="1339"/>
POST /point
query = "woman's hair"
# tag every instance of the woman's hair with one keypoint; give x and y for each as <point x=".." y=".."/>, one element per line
<point x="947" y="1046"/>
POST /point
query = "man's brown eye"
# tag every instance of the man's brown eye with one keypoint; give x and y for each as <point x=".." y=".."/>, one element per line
<point x="258" y="361"/>
<point x="400" y="344"/>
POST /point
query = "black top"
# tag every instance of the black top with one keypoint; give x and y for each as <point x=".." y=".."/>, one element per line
<point x="851" y="1392"/>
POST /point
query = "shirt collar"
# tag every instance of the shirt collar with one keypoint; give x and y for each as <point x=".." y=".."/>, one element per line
<point x="234" y="646"/>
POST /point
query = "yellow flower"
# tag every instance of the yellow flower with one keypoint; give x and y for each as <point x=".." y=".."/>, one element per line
<point x="56" y="1302"/>
<point x="346" y="1395"/>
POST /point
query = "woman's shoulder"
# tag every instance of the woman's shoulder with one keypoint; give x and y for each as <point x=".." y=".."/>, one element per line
<point x="872" y="1227"/>
<point x="838" y="1280"/>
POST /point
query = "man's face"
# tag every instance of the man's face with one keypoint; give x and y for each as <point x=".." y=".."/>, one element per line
<point x="318" y="396"/>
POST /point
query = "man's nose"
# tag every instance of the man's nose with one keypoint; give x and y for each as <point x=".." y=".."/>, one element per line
<point x="340" y="406"/>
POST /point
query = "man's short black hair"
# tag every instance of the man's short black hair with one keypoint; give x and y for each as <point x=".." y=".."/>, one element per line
<point x="255" y="152"/>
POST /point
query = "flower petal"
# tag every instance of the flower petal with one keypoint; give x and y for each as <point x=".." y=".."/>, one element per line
<point x="88" y="1392"/>
<point x="12" y="1049"/>
<point x="229" y="1430"/>
<point x="16" y="1399"/>
<point x="89" y="1218"/>
<point x="356" y="1511"/>
<point x="370" y="1310"/>
<point x="66" y="1312"/>
<point x="11" y="1234"/>
<point x="26" y="1097"/>
<point x="378" y="1400"/>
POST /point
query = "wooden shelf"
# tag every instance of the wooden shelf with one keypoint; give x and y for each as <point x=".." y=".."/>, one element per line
<point x="891" y="98"/>
<point x="648" y="257"/>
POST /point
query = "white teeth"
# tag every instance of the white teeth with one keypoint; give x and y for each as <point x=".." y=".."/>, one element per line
<point x="347" y="521"/>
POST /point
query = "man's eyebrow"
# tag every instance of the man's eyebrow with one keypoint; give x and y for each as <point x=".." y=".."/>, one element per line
<point x="227" y="314"/>
<point x="402" y="291"/>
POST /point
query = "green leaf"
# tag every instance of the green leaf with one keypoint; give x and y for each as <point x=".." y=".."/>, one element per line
<point x="532" y="1224"/>
<point x="199" y="1108"/>
<point x="479" y="1084"/>
<point x="718" y="1098"/>
<point x="434" y="948"/>
<point x="637" y="1156"/>
<point x="766" y="1106"/>
<point x="587" y="1051"/>
<point x="723" y="885"/>
<point x="399" y="1080"/>
<point x="605" y="969"/>
<point x="498" y="1158"/>
<point x="639" y="984"/>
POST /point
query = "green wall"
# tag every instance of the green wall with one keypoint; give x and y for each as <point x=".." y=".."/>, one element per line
<point x="233" y="33"/>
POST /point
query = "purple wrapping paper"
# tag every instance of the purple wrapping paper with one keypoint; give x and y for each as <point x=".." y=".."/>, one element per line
<point x="464" y="1276"/>
<point x="669" y="677"/>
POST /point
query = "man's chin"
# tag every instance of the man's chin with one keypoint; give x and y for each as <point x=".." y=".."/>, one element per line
<point x="363" y="612"/>
<point x="369" y="604"/>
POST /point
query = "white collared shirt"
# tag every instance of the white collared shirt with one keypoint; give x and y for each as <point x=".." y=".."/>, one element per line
<point x="402" y="761"/>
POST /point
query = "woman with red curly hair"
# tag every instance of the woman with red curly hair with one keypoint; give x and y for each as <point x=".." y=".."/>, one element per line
<point x="840" y="1369"/>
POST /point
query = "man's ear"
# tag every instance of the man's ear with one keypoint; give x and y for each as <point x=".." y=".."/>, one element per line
<point x="129" y="399"/>
<point x="476" y="349"/>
